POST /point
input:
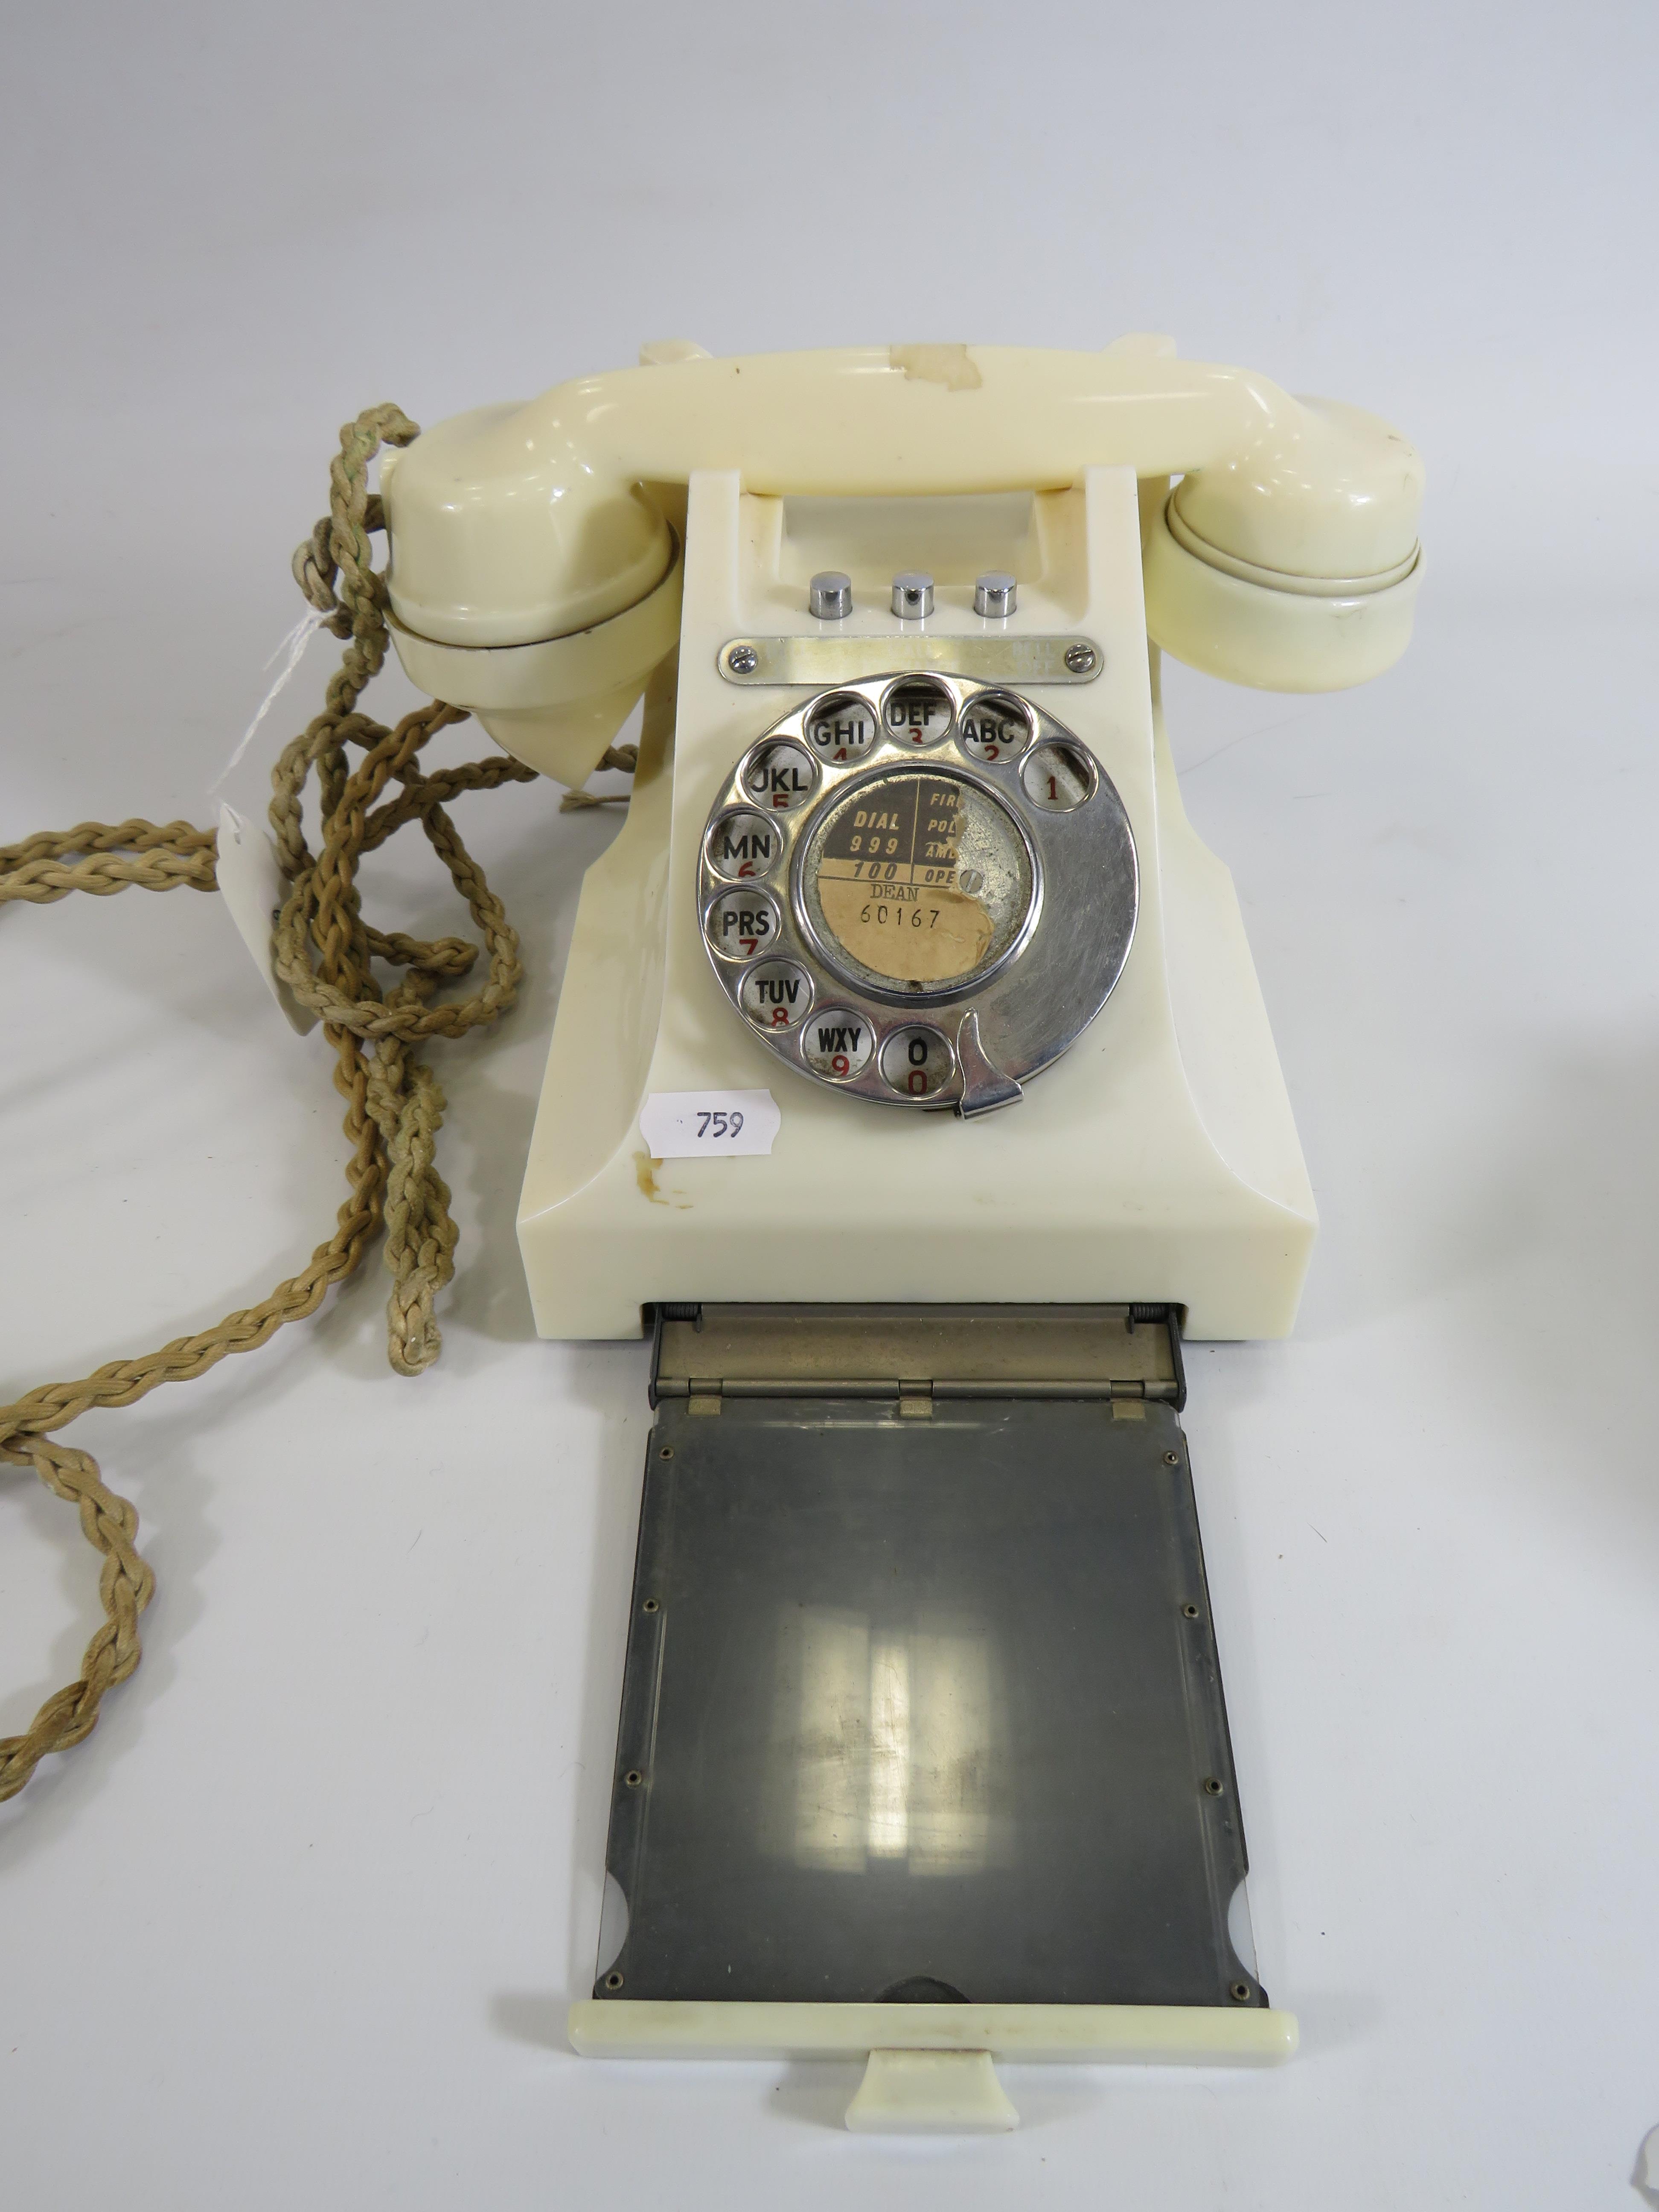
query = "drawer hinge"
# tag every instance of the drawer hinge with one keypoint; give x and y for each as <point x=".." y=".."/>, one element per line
<point x="920" y="1356"/>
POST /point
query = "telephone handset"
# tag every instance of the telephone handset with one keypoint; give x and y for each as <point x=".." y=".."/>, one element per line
<point x="543" y="537"/>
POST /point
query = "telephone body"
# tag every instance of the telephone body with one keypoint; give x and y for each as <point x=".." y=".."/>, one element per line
<point x="548" y="561"/>
<point x="906" y="850"/>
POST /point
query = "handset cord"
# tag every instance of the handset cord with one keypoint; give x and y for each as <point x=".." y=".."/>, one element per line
<point x="323" y="951"/>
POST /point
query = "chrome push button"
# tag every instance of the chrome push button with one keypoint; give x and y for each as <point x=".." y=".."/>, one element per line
<point x="830" y="596"/>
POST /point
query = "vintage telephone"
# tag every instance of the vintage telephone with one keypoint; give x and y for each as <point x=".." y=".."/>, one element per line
<point x="905" y="838"/>
<point x="911" y="1084"/>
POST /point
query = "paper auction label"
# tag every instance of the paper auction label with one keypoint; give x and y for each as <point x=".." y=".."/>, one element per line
<point x="695" y="1125"/>
<point x="253" y="888"/>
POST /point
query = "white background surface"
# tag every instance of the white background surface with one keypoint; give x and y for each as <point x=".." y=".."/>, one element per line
<point x="299" y="1923"/>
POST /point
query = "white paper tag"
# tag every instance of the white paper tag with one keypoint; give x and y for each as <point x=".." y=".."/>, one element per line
<point x="697" y="1125"/>
<point x="253" y="887"/>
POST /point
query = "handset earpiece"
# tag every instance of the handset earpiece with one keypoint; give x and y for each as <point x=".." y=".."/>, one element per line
<point x="542" y="608"/>
<point x="1293" y="564"/>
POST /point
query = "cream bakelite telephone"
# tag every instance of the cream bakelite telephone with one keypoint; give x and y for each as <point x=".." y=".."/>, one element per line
<point x="912" y="1081"/>
<point x="911" y="1086"/>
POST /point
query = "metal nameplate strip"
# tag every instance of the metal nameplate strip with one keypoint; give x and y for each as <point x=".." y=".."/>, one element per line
<point x="1063" y="659"/>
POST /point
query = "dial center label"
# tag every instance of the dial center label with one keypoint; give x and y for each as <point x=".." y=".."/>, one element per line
<point x="921" y="879"/>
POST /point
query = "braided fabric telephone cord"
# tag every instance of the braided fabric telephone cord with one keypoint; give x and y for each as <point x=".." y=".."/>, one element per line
<point x="324" y="952"/>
